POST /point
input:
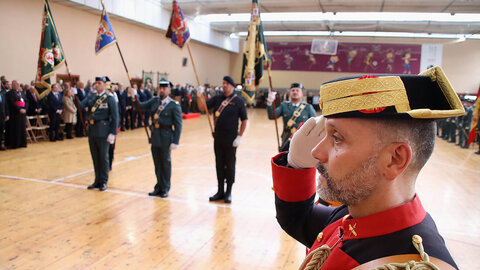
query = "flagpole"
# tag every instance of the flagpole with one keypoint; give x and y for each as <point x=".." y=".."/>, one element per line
<point x="274" y="106"/>
<point x="77" y="102"/>
<point x="136" y="99"/>
<point x="198" y="82"/>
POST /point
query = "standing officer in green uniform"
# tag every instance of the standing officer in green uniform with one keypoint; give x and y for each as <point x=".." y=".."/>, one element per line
<point x="166" y="128"/>
<point x="294" y="112"/>
<point x="102" y="128"/>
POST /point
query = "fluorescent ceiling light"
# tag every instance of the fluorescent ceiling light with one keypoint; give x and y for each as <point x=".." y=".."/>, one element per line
<point x="345" y="16"/>
<point x="364" y="34"/>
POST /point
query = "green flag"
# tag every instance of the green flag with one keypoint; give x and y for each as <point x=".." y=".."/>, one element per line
<point x="50" y="56"/>
<point x="254" y="55"/>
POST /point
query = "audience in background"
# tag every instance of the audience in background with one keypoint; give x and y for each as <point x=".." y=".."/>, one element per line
<point x="70" y="112"/>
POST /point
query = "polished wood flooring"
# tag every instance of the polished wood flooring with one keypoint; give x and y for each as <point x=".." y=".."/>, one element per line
<point x="49" y="220"/>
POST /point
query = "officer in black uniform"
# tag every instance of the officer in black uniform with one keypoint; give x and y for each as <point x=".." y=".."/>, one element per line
<point x="228" y="108"/>
<point x="166" y="128"/>
<point x="102" y="128"/>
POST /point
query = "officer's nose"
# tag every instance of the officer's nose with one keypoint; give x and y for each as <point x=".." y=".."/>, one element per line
<point x="319" y="152"/>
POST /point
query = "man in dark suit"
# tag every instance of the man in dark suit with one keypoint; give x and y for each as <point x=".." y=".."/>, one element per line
<point x="148" y="95"/>
<point x="3" y="116"/>
<point x="102" y="128"/>
<point x="142" y="98"/>
<point x="122" y="104"/>
<point x="34" y="105"/>
<point x="81" y="95"/>
<point x="55" y="109"/>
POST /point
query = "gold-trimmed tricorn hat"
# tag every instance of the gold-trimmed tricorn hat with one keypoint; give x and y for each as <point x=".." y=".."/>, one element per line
<point x="428" y="95"/>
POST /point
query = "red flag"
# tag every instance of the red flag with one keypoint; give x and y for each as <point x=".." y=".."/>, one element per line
<point x="178" y="30"/>
<point x="476" y="113"/>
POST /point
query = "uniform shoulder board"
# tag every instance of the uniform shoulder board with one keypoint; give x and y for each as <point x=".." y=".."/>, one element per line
<point x="176" y="102"/>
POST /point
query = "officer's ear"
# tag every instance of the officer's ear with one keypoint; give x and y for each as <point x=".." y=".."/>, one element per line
<point x="394" y="159"/>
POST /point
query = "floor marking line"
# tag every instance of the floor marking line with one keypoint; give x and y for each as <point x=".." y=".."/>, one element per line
<point x="137" y="194"/>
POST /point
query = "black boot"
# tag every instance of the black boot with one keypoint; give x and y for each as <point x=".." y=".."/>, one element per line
<point x="219" y="195"/>
<point x="228" y="193"/>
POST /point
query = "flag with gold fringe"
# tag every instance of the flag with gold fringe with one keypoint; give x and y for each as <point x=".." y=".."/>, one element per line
<point x="50" y="56"/>
<point x="254" y="55"/>
<point x="105" y="34"/>
<point x="475" y="118"/>
<point x="178" y="31"/>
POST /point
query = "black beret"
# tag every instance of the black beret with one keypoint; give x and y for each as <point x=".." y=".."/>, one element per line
<point x="229" y="80"/>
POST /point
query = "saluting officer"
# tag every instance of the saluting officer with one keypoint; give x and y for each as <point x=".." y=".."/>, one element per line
<point x="228" y="108"/>
<point x="294" y="112"/>
<point x="102" y="128"/>
<point x="166" y="128"/>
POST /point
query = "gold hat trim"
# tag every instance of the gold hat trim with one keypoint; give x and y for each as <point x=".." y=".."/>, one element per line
<point x="371" y="93"/>
<point x="437" y="74"/>
<point x="365" y="94"/>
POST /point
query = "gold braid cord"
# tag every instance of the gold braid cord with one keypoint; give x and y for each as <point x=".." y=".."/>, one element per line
<point x="316" y="258"/>
<point x="425" y="264"/>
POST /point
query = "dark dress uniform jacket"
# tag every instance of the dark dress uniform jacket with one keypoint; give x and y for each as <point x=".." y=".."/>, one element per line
<point x="105" y="117"/>
<point x="171" y="116"/>
<point x="354" y="241"/>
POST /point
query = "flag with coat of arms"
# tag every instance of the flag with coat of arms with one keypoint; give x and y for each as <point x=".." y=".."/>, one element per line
<point x="50" y="56"/>
<point x="254" y="55"/>
<point x="177" y="30"/>
<point x="105" y="34"/>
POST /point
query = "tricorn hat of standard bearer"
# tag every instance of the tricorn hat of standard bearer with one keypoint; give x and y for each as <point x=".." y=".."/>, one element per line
<point x="428" y="95"/>
<point x="102" y="79"/>
<point x="165" y="83"/>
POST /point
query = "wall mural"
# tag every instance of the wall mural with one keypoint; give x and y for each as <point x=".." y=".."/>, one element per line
<point x="350" y="57"/>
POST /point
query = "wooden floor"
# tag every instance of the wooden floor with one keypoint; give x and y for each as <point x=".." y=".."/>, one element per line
<point x="49" y="220"/>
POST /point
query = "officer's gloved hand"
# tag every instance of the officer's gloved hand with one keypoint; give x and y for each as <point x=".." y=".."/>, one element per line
<point x="111" y="138"/>
<point x="271" y="98"/>
<point x="200" y="90"/>
<point x="303" y="142"/>
<point x="237" y="141"/>
<point x="173" y="146"/>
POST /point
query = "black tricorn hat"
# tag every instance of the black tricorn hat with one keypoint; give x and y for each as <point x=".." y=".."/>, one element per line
<point x="102" y="79"/>
<point x="165" y="83"/>
<point x="296" y="85"/>
<point x="428" y="95"/>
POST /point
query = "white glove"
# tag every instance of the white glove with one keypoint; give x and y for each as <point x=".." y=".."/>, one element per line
<point x="271" y="98"/>
<point x="237" y="141"/>
<point x="173" y="146"/>
<point x="111" y="138"/>
<point x="303" y="142"/>
<point x="200" y="90"/>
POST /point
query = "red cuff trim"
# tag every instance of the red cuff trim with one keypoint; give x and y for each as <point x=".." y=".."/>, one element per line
<point x="293" y="185"/>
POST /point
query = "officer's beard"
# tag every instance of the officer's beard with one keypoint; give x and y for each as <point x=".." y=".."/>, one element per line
<point x="161" y="96"/>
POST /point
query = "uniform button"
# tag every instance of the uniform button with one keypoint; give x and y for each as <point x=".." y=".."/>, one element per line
<point x="320" y="237"/>
<point x="417" y="239"/>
